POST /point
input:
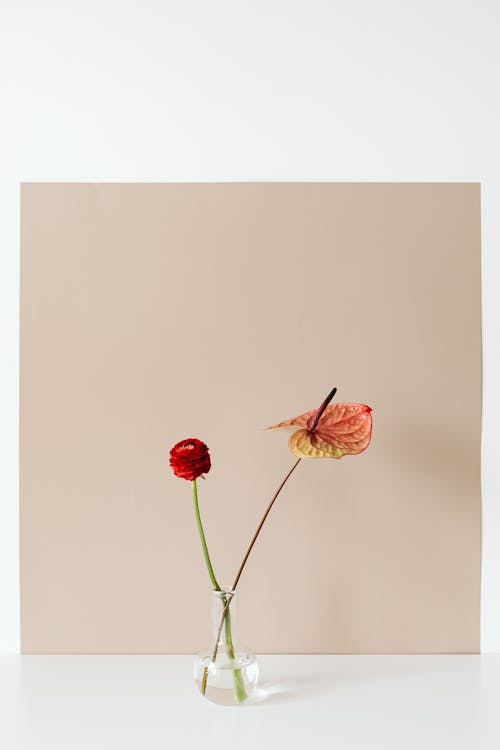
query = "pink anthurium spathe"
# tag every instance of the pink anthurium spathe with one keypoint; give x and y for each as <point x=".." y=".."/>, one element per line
<point x="330" y="432"/>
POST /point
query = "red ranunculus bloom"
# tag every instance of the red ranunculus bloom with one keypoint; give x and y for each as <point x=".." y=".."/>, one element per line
<point x="190" y="459"/>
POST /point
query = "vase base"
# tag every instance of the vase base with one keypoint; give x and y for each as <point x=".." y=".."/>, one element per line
<point x="221" y="696"/>
<point x="225" y="686"/>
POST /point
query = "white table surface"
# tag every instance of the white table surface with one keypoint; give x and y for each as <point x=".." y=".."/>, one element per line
<point x="344" y="702"/>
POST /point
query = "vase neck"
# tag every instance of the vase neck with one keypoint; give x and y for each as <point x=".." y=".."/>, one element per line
<point x="224" y="600"/>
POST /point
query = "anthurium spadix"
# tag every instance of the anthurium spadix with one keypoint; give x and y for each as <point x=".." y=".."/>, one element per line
<point x="340" y="430"/>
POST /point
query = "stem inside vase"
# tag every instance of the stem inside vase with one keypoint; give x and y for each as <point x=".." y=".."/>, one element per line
<point x="233" y="650"/>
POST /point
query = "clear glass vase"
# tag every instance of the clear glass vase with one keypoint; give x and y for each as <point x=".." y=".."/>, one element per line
<point x="227" y="672"/>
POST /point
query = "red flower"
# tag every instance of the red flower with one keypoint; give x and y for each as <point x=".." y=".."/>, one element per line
<point x="189" y="459"/>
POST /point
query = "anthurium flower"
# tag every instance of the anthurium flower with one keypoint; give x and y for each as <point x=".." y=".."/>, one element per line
<point x="342" y="429"/>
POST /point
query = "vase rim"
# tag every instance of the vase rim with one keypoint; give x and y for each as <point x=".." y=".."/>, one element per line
<point x="224" y="590"/>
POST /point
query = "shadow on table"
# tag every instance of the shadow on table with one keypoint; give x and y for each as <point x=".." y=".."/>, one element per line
<point x="290" y="690"/>
<point x="371" y="670"/>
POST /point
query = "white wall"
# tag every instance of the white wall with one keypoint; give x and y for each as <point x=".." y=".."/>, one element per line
<point x="256" y="90"/>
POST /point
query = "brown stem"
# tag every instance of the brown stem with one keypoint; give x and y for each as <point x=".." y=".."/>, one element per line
<point x="261" y="524"/>
<point x="314" y="424"/>
<point x="240" y="571"/>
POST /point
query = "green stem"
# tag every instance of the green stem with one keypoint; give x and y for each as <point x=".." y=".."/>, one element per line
<point x="202" y="538"/>
<point x="239" y="685"/>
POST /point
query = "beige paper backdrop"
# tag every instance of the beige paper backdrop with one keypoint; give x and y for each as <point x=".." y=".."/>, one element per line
<point x="154" y="312"/>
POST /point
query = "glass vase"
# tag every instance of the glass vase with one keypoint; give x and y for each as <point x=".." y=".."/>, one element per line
<point x="227" y="672"/>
